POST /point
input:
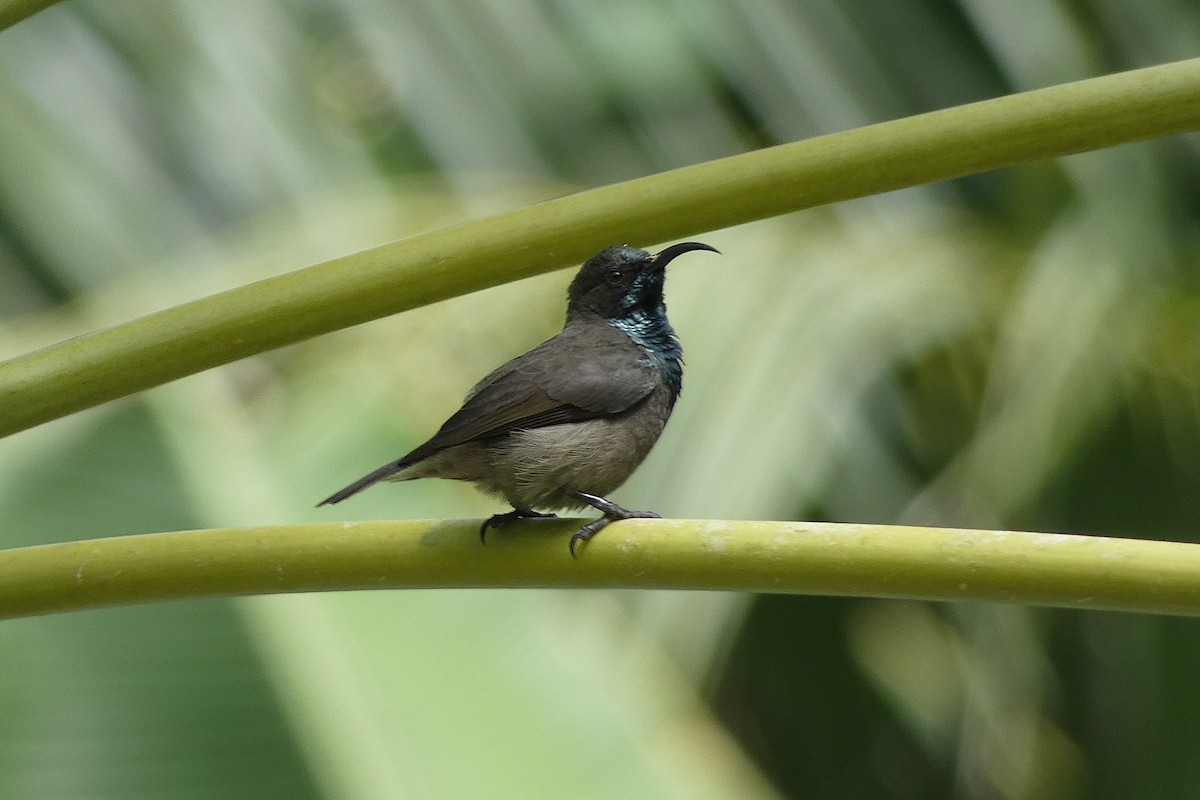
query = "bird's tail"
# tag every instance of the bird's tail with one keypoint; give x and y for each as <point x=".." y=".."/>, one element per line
<point x="371" y="478"/>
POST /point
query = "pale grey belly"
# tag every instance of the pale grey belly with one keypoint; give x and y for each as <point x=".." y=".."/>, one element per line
<point x="537" y="468"/>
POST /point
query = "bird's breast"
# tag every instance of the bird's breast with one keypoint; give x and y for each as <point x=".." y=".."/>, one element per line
<point x="654" y="334"/>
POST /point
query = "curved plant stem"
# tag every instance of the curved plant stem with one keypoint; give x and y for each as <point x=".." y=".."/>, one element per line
<point x="785" y="557"/>
<point x="1071" y="118"/>
<point x="13" y="11"/>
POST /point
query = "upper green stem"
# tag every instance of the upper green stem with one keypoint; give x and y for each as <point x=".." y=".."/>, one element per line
<point x="112" y="363"/>
<point x="13" y="11"/>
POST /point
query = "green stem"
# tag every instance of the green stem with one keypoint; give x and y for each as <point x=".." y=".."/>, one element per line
<point x="1071" y="118"/>
<point x="784" y="557"/>
<point x="13" y="11"/>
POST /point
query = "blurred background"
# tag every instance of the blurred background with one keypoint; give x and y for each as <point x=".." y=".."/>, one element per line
<point x="1014" y="350"/>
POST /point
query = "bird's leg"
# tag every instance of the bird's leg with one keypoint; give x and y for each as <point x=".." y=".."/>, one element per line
<point x="611" y="511"/>
<point x="496" y="520"/>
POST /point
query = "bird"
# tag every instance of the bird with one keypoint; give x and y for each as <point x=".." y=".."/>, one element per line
<point x="566" y="423"/>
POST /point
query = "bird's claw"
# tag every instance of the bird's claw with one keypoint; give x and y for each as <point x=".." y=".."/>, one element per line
<point x="587" y="532"/>
<point x="612" y="513"/>
<point x="496" y="520"/>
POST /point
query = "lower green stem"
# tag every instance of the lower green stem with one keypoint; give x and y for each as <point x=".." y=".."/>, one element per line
<point x="777" y="557"/>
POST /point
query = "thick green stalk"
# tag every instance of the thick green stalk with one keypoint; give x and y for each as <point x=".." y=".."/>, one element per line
<point x="13" y="11"/>
<point x="1071" y="118"/>
<point x="785" y="557"/>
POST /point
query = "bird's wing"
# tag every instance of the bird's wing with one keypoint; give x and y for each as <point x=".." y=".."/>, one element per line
<point x="582" y="373"/>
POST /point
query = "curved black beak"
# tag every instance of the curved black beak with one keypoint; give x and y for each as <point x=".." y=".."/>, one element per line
<point x="664" y="257"/>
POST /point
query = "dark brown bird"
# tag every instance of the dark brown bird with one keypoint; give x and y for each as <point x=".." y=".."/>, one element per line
<point x="565" y="424"/>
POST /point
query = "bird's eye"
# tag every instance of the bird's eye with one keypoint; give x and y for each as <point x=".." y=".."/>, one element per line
<point x="613" y="277"/>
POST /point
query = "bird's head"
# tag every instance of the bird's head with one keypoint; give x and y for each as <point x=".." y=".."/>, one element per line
<point x="621" y="281"/>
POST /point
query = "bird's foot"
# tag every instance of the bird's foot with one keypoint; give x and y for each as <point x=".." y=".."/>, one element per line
<point x="496" y="520"/>
<point x="611" y="511"/>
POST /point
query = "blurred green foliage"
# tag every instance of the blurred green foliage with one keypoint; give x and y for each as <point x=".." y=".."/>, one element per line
<point x="1011" y="350"/>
